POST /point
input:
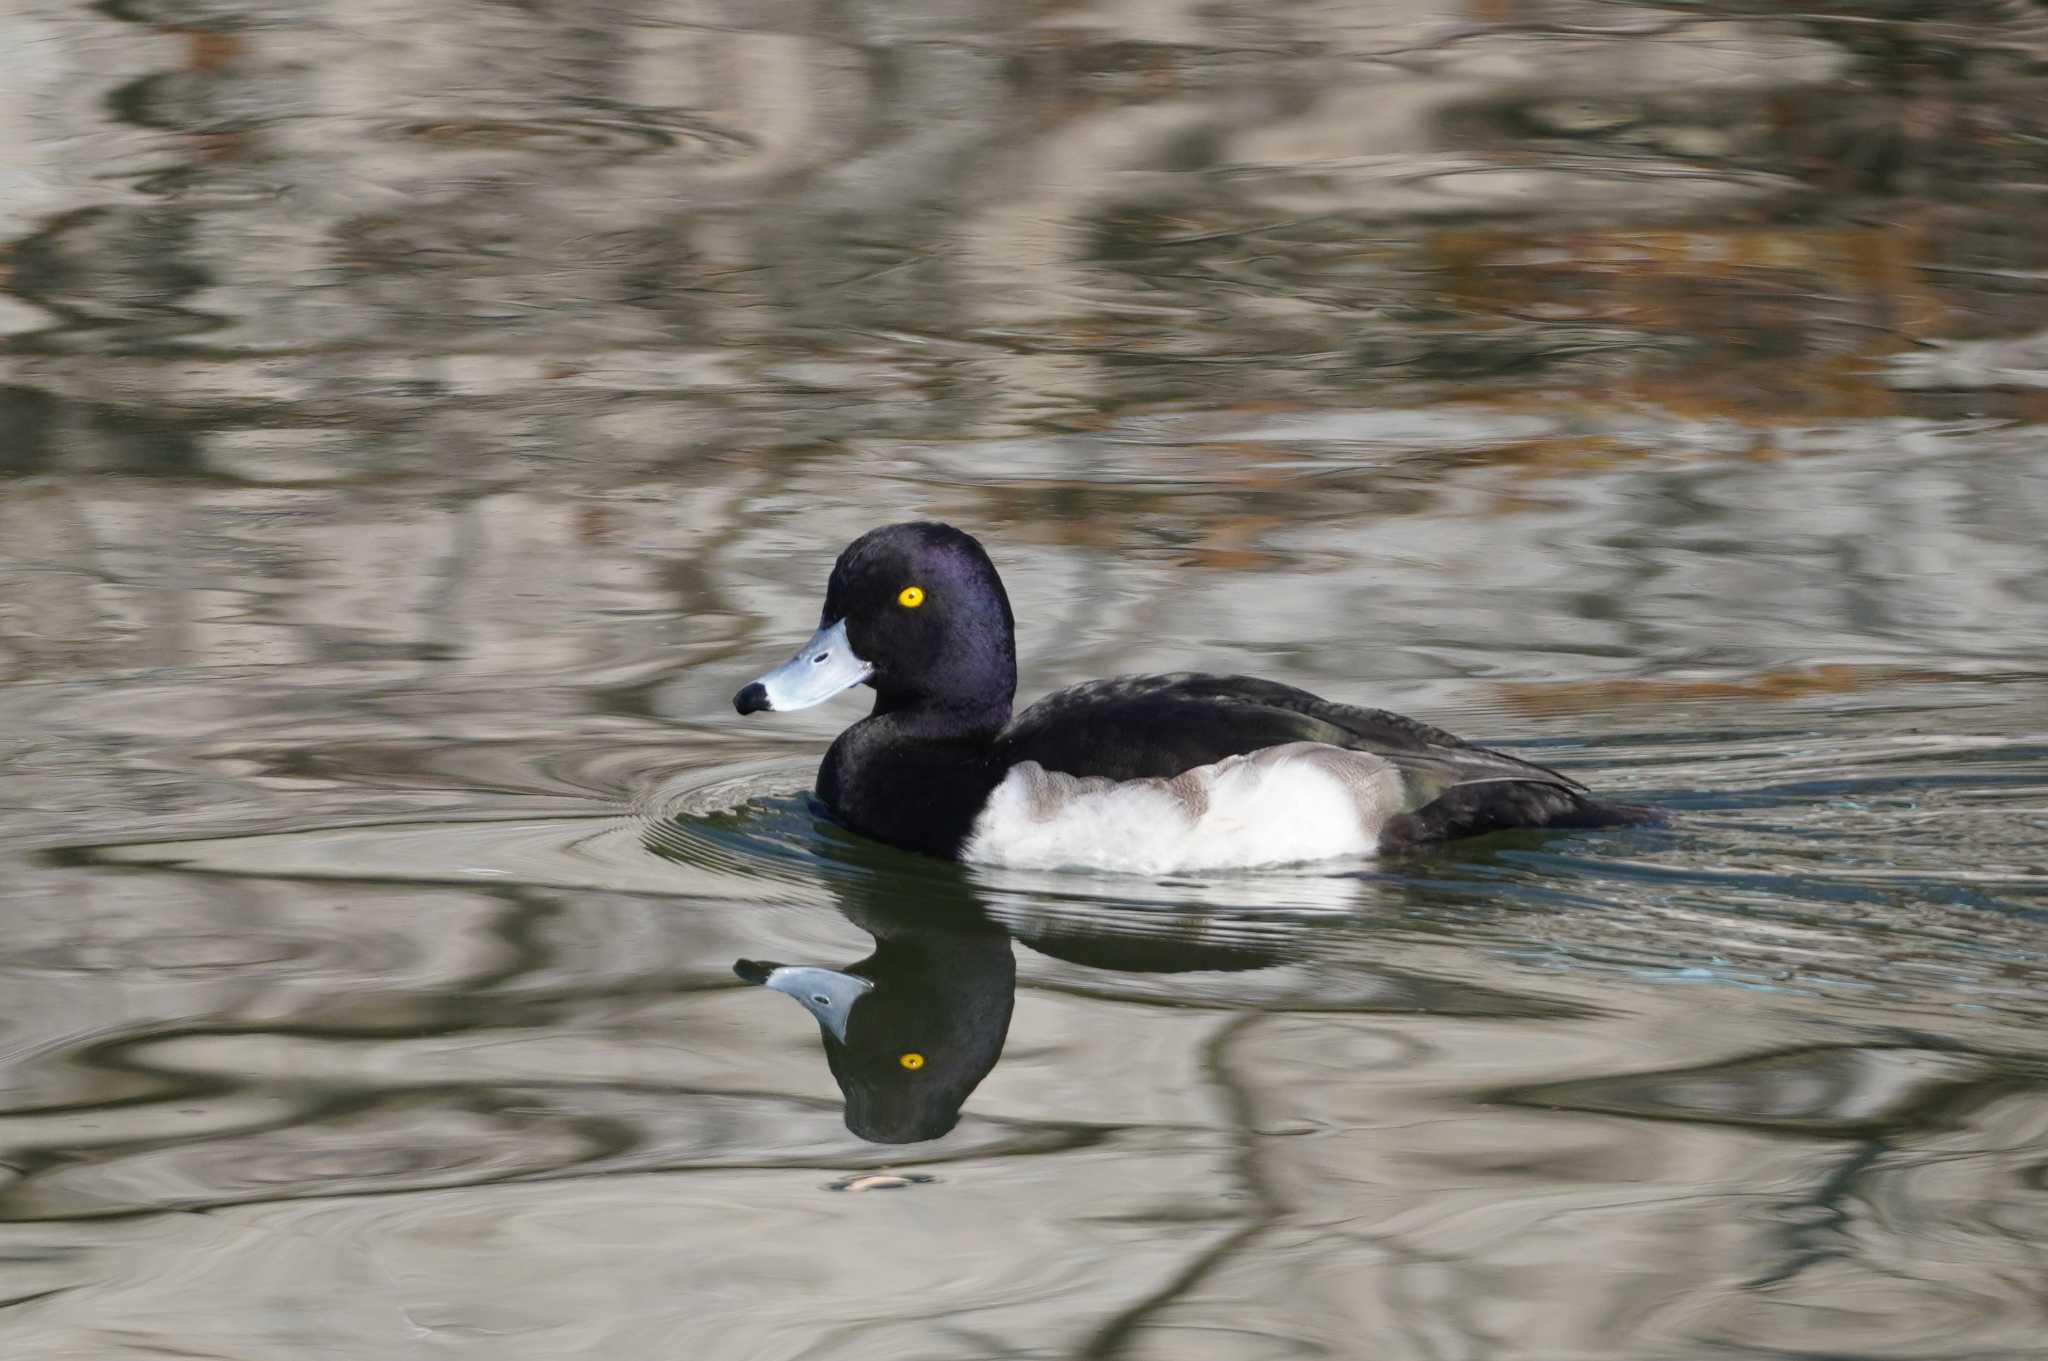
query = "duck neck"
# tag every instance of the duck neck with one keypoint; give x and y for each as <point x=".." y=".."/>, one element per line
<point x="915" y="776"/>
<point x="941" y="720"/>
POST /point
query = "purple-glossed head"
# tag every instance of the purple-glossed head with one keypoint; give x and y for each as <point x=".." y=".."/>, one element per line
<point x="915" y="610"/>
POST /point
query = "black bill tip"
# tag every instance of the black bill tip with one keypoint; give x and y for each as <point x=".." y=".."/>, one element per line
<point x="754" y="971"/>
<point x="751" y="700"/>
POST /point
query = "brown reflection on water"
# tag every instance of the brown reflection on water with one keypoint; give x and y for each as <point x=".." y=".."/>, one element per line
<point x="984" y="220"/>
<point x="1595" y="696"/>
<point x="1778" y="322"/>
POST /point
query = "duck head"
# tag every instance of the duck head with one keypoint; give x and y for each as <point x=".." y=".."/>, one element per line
<point x="914" y="610"/>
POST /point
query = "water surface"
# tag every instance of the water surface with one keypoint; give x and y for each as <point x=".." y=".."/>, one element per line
<point x="416" y="423"/>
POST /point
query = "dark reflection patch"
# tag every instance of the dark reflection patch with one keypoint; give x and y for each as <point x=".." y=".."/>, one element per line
<point x="573" y="136"/>
<point x="403" y="1143"/>
<point x="1827" y="1090"/>
<point x="183" y="952"/>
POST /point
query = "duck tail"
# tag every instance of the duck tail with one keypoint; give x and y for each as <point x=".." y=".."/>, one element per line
<point x="1476" y="809"/>
<point x="1595" y="813"/>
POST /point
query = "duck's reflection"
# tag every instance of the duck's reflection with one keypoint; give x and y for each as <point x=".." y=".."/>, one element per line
<point x="911" y="1030"/>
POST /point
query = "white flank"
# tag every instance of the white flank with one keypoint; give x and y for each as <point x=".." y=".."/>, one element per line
<point x="1280" y="806"/>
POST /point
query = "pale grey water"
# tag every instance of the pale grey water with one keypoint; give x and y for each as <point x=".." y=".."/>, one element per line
<point x="417" y="420"/>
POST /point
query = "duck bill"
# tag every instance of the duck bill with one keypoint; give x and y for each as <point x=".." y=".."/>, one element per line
<point x="826" y="993"/>
<point x="822" y="668"/>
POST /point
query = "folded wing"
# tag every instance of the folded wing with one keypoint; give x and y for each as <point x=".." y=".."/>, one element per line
<point x="1160" y="727"/>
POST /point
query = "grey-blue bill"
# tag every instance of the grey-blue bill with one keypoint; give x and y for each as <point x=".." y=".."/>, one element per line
<point x="827" y="994"/>
<point x="821" y="668"/>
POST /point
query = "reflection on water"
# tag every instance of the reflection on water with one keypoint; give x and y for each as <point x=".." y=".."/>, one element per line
<point x="913" y="1028"/>
<point x="414" y="423"/>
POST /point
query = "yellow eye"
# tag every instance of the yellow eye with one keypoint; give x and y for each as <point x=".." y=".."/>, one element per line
<point x="910" y="598"/>
<point x="912" y="1061"/>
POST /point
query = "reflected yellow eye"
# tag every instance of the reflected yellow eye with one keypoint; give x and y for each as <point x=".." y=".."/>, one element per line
<point x="910" y="599"/>
<point x="912" y="1061"/>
